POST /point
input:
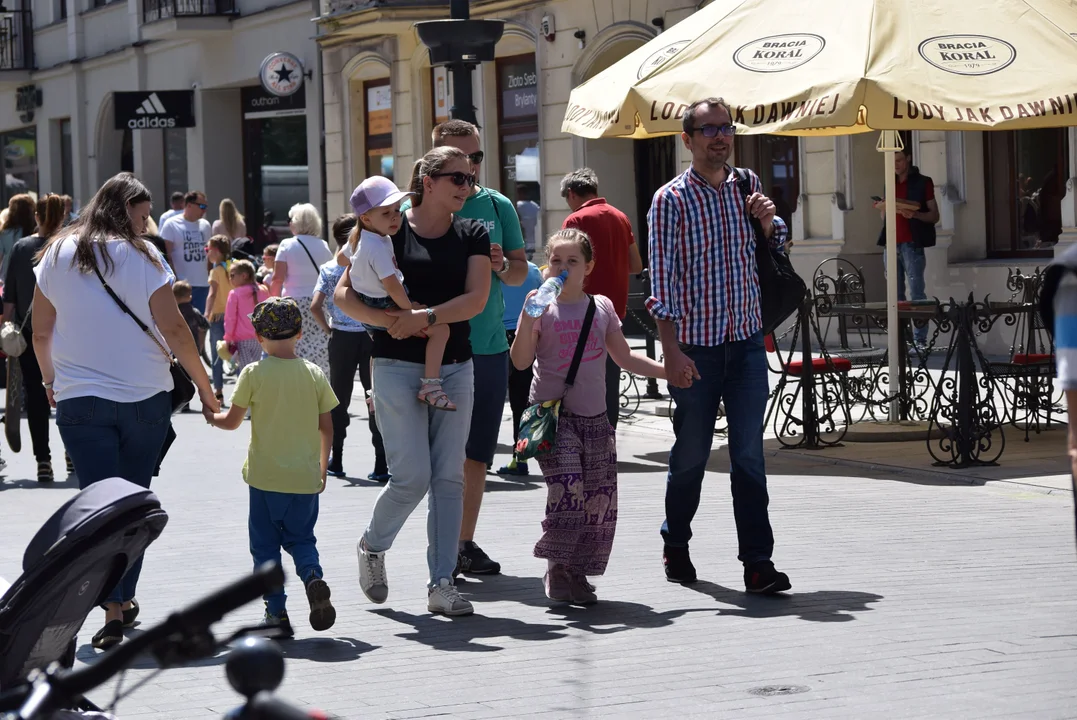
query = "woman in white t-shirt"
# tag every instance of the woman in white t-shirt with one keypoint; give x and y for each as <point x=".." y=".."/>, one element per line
<point x="295" y="274"/>
<point x="108" y="380"/>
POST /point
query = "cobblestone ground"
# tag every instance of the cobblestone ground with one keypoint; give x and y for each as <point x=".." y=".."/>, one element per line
<point x="910" y="599"/>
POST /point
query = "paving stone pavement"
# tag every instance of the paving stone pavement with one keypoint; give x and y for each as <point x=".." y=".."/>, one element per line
<point x="911" y="599"/>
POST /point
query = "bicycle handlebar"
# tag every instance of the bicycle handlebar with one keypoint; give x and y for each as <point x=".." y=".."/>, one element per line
<point x="264" y="706"/>
<point x="64" y="688"/>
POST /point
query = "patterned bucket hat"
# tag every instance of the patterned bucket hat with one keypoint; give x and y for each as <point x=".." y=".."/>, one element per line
<point x="277" y="318"/>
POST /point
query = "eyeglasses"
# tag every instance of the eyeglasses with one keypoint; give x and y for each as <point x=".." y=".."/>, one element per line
<point x="458" y="178"/>
<point x="476" y="157"/>
<point x="711" y="131"/>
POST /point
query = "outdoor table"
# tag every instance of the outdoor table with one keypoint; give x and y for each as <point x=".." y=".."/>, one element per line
<point x="908" y="313"/>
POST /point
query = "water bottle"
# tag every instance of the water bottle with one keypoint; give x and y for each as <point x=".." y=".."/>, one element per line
<point x="546" y="294"/>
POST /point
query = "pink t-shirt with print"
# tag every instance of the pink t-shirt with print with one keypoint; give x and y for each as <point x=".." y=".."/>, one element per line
<point x="559" y="329"/>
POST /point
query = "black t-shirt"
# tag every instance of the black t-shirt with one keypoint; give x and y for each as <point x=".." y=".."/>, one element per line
<point x="435" y="271"/>
<point x="20" y="281"/>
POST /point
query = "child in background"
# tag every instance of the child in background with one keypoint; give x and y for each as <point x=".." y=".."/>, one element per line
<point x="245" y="295"/>
<point x="218" y="259"/>
<point x="269" y="260"/>
<point x="378" y="281"/>
<point x="581" y="472"/>
<point x="197" y="322"/>
<point x="291" y="431"/>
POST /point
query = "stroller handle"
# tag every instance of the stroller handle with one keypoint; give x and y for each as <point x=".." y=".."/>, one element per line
<point x="181" y="630"/>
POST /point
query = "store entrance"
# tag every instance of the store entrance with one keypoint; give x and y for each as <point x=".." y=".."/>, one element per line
<point x="275" y="153"/>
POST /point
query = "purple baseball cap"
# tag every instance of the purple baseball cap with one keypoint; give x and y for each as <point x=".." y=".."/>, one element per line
<point x="375" y="192"/>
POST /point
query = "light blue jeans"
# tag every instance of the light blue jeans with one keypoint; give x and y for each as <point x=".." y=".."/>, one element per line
<point x="425" y="450"/>
<point x="911" y="265"/>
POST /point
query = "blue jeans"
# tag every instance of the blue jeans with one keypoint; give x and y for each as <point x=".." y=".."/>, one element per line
<point x="216" y="332"/>
<point x="199" y="295"/>
<point x="107" y="439"/>
<point x="735" y="372"/>
<point x="911" y="266"/>
<point x="425" y="450"/>
<point x="284" y="520"/>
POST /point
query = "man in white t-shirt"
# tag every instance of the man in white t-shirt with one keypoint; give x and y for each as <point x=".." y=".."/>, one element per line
<point x="177" y="209"/>
<point x="186" y="236"/>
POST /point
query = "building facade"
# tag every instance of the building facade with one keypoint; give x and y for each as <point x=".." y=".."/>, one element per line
<point x="167" y="89"/>
<point x="1006" y="199"/>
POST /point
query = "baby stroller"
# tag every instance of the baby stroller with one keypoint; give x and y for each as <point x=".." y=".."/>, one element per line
<point x="69" y="567"/>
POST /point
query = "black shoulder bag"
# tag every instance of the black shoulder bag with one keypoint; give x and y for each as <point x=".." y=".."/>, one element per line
<point x="781" y="290"/>
<point x="538" y="424"/>
<point x="316" y="268"/>
<point x="182" y="386"/>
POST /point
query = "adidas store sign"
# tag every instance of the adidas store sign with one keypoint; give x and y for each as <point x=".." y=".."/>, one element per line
<point x="154" y="110"/>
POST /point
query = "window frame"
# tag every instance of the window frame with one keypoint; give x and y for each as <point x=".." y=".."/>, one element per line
<point x="748" y="153"/>
<point x="381" y="141"/>
<point x="513" y="126"/>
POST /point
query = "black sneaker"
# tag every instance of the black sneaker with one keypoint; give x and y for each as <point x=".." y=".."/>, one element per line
<point x="679" y="567"/>
<point x="763" y="579"/>
<point x="474" y="561"/>
<point x="322" y="613"/>
<point x="335" y="467"/>
<point x="281" y="622"/>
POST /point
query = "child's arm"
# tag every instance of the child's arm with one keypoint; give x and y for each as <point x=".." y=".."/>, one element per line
<point x="396" y="292"/>
<point x="343" y="259"/>
<point x="629" y="360"/>
<point x="325" y="429"/>
<point x="523" y="347"/>
<point x="232" y="419"/>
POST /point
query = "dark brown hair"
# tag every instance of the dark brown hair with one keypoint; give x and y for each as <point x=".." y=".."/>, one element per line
<point x="182" y="289"/>
<point x="50" y="214"/>
<point x="107" y="217"/>
<point x="689" y="119"/>
<point x="191" y="198"/>
<point x="431" y="164"/>
<point x="574" y="236"/>
<point x="343" y="228"/>
<point x="223" y="245"/>
<point x="20" y="215"/>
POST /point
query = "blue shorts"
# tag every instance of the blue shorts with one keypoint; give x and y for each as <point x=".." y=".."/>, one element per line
<point x="491" y="388"/>
<point x="382" y="303"/>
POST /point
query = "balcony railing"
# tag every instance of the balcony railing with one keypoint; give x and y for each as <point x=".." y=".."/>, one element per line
<point x="16" y="39"/>
<point x="162" y="9"/>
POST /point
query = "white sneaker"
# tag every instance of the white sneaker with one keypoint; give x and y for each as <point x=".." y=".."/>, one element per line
<point x="372" y="578"/>
<point x="445" y="599"/>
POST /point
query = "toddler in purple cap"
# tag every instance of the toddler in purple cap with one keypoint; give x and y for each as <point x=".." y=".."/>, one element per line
<point x="377" y="279"/>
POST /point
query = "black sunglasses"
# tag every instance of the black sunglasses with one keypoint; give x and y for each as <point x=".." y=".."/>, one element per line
<point x="458" y="178"/>
<point x="476" y="157"/>
<point x="710" y="131"/>
<point x="201" y="206"/>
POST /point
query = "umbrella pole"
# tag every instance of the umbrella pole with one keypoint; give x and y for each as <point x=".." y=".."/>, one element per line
<point x="892" y="324"/>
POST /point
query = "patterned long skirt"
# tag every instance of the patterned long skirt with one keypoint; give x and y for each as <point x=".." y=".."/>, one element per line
<point x="581" y="501"/>
<point x="314" y="345"/>
<point x="247" y="352"/>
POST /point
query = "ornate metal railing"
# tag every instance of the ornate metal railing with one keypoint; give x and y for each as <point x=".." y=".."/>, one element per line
<point x="153" y="10"/>
<point x="16" y="40"/>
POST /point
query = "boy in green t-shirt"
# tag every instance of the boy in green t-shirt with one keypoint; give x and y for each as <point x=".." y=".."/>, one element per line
<point x="291" y="433"/>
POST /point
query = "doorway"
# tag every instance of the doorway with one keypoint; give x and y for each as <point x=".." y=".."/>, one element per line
<point x="275" y="159"/>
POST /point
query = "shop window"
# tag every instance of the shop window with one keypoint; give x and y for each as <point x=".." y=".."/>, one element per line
<point x="20" y="162"/>
<point x="518" y="139"/>
<point x="67" y="160"/>
<point x="175" y="142"/>
<point x="776" y="159"/>
<point x="440" y="94"/>
<point x="378" y="99"/>
<point x="1025" y="183"/>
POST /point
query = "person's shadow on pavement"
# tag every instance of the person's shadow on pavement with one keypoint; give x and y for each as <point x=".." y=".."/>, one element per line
<point x="325" y="649"/>
<point x="460" y="634"/>
<point x="815" y="606"/>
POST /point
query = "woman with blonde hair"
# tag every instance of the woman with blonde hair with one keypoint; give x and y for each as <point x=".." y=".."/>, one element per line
<point x="19" y="285"/>
<point x="295" y="274"/>
<point x="230" y="222"/>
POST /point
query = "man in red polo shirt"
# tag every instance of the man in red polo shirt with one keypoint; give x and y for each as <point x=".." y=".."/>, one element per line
<point x="616" y="257"/>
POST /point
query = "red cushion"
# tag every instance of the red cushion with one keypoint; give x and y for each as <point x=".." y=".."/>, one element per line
<point x="821" y="365"/>
<point x="768" y="342"/>
<point x="1032" y="359"/>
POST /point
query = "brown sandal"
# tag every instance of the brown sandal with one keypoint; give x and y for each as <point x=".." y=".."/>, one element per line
<point x="433" y="395"/>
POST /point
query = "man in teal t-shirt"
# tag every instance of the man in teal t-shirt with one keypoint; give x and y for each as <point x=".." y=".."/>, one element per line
<point x="490" y="347"/>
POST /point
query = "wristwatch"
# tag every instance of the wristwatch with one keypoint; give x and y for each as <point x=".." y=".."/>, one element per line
<point x="431" y="317"/>
<point x="46" y="385"/>
<point x="504" y="266"/>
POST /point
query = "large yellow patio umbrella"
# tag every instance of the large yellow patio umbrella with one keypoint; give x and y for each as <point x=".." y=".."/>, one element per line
<point x="838" y="67"/>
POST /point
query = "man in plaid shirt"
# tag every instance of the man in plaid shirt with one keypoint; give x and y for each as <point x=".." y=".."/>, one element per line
<point x="705" y="300"/>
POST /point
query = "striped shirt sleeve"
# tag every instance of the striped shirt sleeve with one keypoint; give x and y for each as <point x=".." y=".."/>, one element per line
<point x="1066" y="331"/>
<point x="664" y="223"/>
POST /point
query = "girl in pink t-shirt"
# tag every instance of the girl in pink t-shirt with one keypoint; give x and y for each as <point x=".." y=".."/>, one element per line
<point x="238" y="331"/>
<point x="581" y="472"/>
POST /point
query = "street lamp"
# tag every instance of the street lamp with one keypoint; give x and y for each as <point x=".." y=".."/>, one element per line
<point x="460" y="44"/>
